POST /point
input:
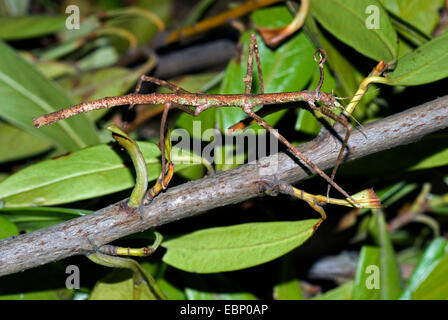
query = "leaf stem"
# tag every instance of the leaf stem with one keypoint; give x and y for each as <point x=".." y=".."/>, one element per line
<point x="141" y="183"/>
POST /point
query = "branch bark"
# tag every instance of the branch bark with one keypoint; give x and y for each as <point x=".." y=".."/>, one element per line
<point x="82" y="235"/>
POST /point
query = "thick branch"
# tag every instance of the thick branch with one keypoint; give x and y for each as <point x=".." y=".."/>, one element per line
<point x="82" y="235"/>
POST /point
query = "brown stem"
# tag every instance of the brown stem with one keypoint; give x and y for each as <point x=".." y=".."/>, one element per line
<point x="82" y="235"/>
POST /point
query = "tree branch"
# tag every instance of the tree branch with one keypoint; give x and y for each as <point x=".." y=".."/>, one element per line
<point x="83" y="235"/>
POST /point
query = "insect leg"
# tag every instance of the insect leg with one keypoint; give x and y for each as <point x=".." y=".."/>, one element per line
<point x="344" y="122"/>
<point x="248" y="110"/>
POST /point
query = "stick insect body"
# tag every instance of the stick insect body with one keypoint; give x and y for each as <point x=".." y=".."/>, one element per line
<point x="200" y="101"/>
<point x="182" y="99"/>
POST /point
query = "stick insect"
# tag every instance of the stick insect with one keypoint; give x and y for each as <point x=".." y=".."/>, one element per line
<point x="183" y="100"/>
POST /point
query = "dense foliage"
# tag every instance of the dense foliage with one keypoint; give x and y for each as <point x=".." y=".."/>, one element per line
<point x="260" y="249"/>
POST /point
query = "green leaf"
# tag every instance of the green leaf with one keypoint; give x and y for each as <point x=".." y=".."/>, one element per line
<point x="226" y="158"/>
<point x="410" y="34"/>
<point x="84" y="174"/>
<point x="25" y="93"/>
<point x="192" y="173"/>
<point x="3" y="176"/>
<point x="392" y="284"/>
<point x="343" y="292"/>
<point x="435" y="285"/>
<point x="171" y="291"/>
<point x="96" y="84"/>
<point x="368" y="280"/>
<point x="422" y="14"/>
<point x="60" y="50"/>
<point x="54" y="69"/>
<point x="347" y="76"/>
<point x="307" y="123"/>
<point x="378" y="273"/>
<point x="70" y="40"/>
<point x="288" y="287"/>
<point x="288" y="290"/>
<point x="102" y="57"/>
<point x="158" y="270"/>
<point x="439" y="203"/>
<point x="183" y="154"/>
<point x="346" y="73"/>
<point x="347" y="20"/>
<point x="395" y="192"/>
<point x="197" y="11"/>
<point x="88" y="25"/>
<point x="437" y="159"/>
<point x="428" y="63"/>
<point x="144" y="286"/>
<point x="141" y="172"/>
<point x="143" y="28"/>
<point x="287" y="68"/>
<point x="18" y="28"/>
<point x="432" y="256"/>
<point x="34" y="218"/>
<point x="17" y="144"/>
<point x="236" y="247"/>
<point x="119" y="285"/>
<point x="7" y="228"/>
<point x="188" y="158"/>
